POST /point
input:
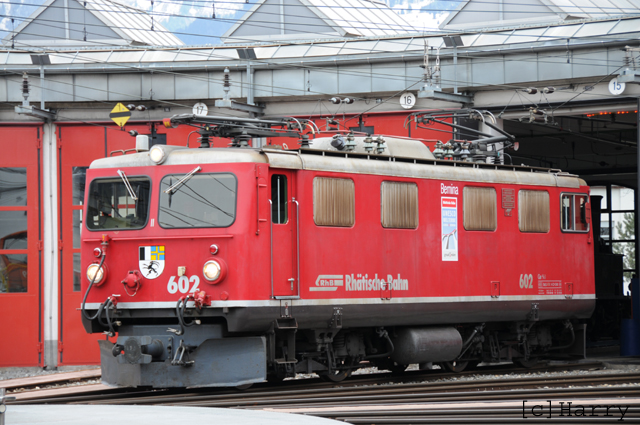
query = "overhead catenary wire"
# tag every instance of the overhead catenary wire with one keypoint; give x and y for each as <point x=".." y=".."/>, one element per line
<point x="366" y="73"/>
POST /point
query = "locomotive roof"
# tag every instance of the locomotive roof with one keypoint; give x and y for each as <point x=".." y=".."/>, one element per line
<point x="353" y="163"/>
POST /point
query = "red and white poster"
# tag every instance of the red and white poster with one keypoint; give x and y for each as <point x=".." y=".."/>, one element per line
<point x="449" y="229"/>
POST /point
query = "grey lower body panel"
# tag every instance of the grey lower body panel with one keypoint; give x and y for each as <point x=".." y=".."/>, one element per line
<point x="225" y="362"/>
<point x="251" y="319"/>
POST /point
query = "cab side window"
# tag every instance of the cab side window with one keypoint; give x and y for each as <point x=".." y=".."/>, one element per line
<point x="279" y="205"/>
<point x="574" y="216"/>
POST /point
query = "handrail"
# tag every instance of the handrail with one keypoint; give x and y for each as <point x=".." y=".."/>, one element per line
<point x="297" y="240"/>
<point x="271" y="242"/>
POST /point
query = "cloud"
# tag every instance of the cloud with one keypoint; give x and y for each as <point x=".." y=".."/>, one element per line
<point x="178" y="15"/>
<point x="424" y="15"/>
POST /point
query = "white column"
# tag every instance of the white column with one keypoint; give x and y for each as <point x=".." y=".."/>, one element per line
<point x="50" y="273"/>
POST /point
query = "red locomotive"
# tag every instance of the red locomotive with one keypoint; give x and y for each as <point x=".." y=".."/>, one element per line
<point x="228" y="266"/>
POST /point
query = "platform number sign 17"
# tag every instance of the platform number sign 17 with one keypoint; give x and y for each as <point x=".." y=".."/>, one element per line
<point x="200" y="109"/>
<point x="407" y="100"/>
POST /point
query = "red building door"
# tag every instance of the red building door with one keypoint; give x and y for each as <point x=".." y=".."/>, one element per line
<point x="21" y="291"/>
<point x="78" y="146"/>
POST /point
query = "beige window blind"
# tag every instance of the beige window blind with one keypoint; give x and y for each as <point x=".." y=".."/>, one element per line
<point x="399" y="207"/>
<point x="533" y="211"/>
<point x="480" y="208"/>
<point x="334" y="202"/>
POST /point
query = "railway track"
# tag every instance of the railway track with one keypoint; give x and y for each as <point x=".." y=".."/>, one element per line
<point x="491" y="396"/>
<point x="55" y="388"/>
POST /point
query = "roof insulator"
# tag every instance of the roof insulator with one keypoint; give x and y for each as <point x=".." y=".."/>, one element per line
<point x="304" y="141"/>
<point x="25" y="86"/>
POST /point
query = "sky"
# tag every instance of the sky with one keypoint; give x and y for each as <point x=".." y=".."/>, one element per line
<point x="192" y="22"/>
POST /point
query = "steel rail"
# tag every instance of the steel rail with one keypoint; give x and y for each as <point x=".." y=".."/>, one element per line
<point x="314" y="396"/>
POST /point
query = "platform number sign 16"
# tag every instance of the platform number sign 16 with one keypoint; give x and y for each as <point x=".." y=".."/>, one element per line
<point x="407" y="100"/>
<point x="526" y="281"/>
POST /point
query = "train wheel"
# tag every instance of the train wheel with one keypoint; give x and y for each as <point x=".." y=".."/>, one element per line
<point x="243" y="387"/>
<point x="336" y="376"/>
<point x="457" y="366"/>
<point x="398" y="369"/>
<point x="527" y="364"/>
<point x="391" y="366"/>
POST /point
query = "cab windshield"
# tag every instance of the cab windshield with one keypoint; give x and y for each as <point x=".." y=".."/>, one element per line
<point x="200" y="200"/>
<point x="111" y="205"/>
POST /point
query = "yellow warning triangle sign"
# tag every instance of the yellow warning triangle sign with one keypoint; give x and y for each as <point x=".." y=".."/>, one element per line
<point x="120" y="114"/>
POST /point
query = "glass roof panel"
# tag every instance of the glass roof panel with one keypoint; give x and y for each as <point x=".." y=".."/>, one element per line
<point x="418" y="43"/>
<point x="323" y="50"/>
<point x="372" y="22"/>
<point x="223" y="54"/>
<point x="91" y="57"/>
<point x="294" y="51"/>
<point x="18" y="59"/>
<point x="62" y="58"/>
<point x="358" y="47"/>
<point x="126" y="56"/>
<point x="562" y="31"/>
<point x="190" y="55"/>
<point x="332" y="10"/>
<point x="526" y="36"/>
<point x="626" y="25"/>
<point x="399" y="45"/>
<point x="595" y="28"/>
<point x="467" y="40"/>
<point x="491" y="39"/>
<point x="265" y="52"/>
<point x="159" y="56"/>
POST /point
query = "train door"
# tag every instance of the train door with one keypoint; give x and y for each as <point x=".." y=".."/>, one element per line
<point x="21" y="233"/>
<point x="284" y="234"/>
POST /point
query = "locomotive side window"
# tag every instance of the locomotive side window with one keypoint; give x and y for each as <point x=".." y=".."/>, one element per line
<point x="202" y="200"/>
<point x="480" y="208"/>
<point x="574" y="213"/>
<point x="399" y="205"/>
<point x="279" y="205"/>
<point x="533" y="211"/>
<point x="334" y="202"/>
<point x="112" y="207"/>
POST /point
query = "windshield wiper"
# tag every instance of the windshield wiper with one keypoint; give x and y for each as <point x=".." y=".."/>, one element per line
<point x="182" y="181"/>
<point x="127" y="185"/>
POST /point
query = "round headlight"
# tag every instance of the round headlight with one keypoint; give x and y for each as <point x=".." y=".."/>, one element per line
<point x="211" y="270"/>
<point x="157" y="154"/>
<point x="95" y="272"/>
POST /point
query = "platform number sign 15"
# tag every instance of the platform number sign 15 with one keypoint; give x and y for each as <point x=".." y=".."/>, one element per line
<point x="526" y="281"/>
<point x="615" y="87"/>
<point x="407" y="100"/>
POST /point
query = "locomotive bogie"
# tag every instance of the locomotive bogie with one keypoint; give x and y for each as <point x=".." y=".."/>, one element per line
<point x="316" y="262"/>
